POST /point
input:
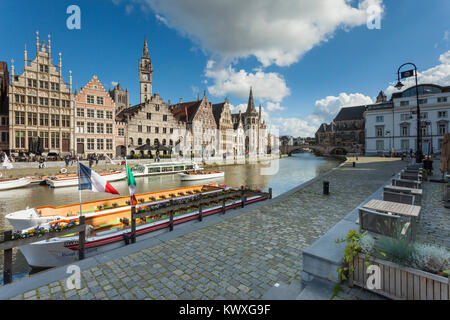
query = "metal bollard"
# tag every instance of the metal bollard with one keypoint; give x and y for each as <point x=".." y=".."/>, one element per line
<point x="354" y="164"/>
<point x="326" y="187"/>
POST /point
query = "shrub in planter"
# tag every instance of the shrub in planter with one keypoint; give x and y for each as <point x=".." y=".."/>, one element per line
<point x="431" y="259"/>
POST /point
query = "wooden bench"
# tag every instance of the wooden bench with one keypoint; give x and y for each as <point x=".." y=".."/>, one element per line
<point x="416" y="192"/>
<point x="389" y="225"/>
<point x="398" y="197"/>
<point x="407" y="183"/>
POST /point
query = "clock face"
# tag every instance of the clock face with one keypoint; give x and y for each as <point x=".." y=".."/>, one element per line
<point x="145" y="76"/>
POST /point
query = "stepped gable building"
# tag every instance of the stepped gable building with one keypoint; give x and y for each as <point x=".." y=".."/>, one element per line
<point x="4" y="123"/>
<point x="222" y="116"/>
<point x="324" y="135"/>
<point x="41" y="105"/>
<point x="198" y="119"/>
<point x="94" y="120"/>
<point x="120" y="97"/>
<point x="239" y="134"/>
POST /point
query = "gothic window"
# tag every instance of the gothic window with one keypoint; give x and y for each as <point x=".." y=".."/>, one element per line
<point x="164" y="142"/>
<point x="131" y="141"/>
<point x="147" y="141"/>
<point x="140" y="141"/>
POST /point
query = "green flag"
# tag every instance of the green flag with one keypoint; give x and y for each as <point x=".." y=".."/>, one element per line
<point x="131" y="183"/>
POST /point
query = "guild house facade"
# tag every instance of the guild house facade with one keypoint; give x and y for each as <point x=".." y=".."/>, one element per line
<point x="40" y="105"/>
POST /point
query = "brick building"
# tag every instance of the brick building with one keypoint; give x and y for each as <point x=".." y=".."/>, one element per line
<point x="94" y="120"/>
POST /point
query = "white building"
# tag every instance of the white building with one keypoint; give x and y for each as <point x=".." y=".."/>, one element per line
<point x="392" y="125"/>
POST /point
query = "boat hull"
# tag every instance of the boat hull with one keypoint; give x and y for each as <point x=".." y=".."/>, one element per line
<point x="61" y="251"/>
<point x="74" y="182"/>
<point x="14" y="184"/>
<point x="193" y="177"/>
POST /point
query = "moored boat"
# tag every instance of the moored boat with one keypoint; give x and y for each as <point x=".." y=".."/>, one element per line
<point x="150" y="169"/>
<point x="110" y="229"/>
<point x="200" y="175"/>
<point x="70" y="181"/>
<point x="14" y="183"/>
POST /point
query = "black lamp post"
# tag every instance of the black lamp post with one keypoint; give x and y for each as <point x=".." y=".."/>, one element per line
<point x="399" y="85"/>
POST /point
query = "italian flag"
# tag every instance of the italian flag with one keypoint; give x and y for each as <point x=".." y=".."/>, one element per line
<point x="131" y="184"/>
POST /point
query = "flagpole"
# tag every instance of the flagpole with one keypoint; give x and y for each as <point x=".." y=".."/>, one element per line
<point x="82" y="234"/>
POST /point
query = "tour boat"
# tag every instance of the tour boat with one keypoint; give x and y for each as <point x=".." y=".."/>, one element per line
<point x="163" y="168"/>
<point x="14" y="183"/>
<point x="110" y="228"/>
<point x="73" y="180"/>
<point x="200" y="175"/>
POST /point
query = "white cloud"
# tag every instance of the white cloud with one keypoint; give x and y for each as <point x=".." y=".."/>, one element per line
<point x="274" y="106"/>
<point x="266" y="86"/>
<point x="275" y="32"/>
<point x="439" y="74"/>
<point x="129" y="8"/>
<point x="292" y="126"/>
<point x="162" y="19"/>
<point x="327" y="108"/>
<point x="114" y="83"/>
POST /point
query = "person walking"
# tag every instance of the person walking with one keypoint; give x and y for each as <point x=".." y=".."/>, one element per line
<point x="96" y="160"/>
<point x="91" y="160"/>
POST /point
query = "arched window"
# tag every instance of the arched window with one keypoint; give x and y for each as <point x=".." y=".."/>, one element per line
<point x="145" y="88"/>
<point x="147" y="141"/>
<point x="164" y="142"/>
<point x="131" y="141"/>
<point x="140" y="141"/>
<point x="156" y="142"/>
<point x="170" y="142"/>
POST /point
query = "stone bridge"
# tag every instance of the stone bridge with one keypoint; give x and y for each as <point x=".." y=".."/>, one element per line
<point x="318" y="149"/>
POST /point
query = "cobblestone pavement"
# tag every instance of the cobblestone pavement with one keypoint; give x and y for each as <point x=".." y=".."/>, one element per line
<point x="434" y="224"/>
<point x="239" y="258"/>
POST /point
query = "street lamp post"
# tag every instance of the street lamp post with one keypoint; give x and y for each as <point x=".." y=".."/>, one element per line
<point x="399" y="85"/>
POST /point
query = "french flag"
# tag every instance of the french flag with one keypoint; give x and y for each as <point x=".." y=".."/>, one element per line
<point x="91" y="180"/>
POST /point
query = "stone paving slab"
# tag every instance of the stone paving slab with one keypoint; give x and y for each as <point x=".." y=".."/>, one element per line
<point x="241" y="257"/>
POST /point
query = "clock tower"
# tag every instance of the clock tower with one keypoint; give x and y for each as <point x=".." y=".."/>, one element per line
<point x="145" y="74"/>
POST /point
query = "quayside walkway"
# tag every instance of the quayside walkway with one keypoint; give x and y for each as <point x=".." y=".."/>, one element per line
<point x="241" y="256"/>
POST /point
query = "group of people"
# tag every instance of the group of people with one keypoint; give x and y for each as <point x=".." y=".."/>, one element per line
<point x="93" y="158"/>
<point x="68" y="159"/>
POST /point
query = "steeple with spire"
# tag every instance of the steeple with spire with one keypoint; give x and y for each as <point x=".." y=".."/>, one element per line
<point x="251" y="104"/>
<point x="145" y="74"/>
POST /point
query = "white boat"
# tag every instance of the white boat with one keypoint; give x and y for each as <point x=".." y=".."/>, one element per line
<point x="156" y="168"/>
<point x="71" y="181"/>
<point x="107" y="231"/>
<point x="200" y="175"/>
<point x="14" y="183"/>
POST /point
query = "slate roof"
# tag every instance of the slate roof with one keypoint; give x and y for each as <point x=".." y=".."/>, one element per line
<point x="185" y="111"/>
<point x="351" y="113"/>
<point x="130" y="111"/>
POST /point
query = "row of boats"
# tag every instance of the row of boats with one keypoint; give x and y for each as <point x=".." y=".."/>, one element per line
<point x="187" y="171"/>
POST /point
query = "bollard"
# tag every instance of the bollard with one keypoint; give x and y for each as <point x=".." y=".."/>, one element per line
<point x="270" y="193"/>
<point x="326" y="187"/>
<point x="354" y="164"/>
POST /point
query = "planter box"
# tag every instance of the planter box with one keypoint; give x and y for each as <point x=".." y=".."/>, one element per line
<point x="400" y="283"/>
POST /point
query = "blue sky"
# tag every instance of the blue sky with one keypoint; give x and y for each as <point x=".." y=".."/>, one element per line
<point x="322" y="58"/>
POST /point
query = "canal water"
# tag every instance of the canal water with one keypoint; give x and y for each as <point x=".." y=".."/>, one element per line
<point x="281" y="175"/>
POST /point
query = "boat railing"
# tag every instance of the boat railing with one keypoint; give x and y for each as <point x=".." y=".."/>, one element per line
<point x="197" y="201"/>
<point x="17" y="239"/>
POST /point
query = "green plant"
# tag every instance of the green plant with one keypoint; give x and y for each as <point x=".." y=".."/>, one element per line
<point x="397" y="250"/>
<point x="352" y="249"/>
<point x="431" y="258"/>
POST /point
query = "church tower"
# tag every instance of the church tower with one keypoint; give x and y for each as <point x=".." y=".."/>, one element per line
<point x="145" y="74"/>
